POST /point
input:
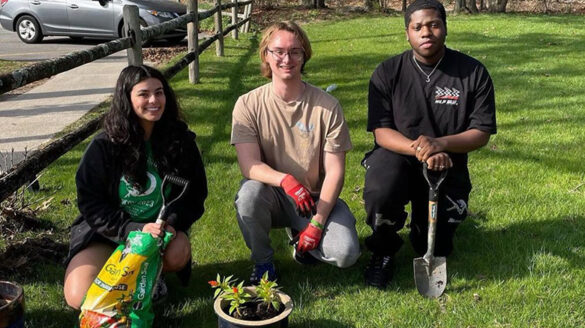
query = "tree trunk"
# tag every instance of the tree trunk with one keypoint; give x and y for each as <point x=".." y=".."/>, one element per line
<point x="403" y="6"/>
<point x="492" y="6"/>
<point x="472" y="6"/>
<point x="459" y="6"/>
<point x="312" y="3"/>
<point x="482" y="5"/>
<point x="370" y="4"/>
<point x="502" y="6"/>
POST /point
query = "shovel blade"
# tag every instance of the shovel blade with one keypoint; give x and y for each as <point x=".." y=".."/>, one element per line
<point x="430" y="277"/>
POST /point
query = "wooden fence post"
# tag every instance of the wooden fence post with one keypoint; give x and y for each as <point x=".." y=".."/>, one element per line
<point x="193" y="41"/>
<point x="218" y="29"/>
<point x="245" y="16"/>
<point x="235" y="19"/>
<point x="247" y="25"/>
<point x="132" y="28"/>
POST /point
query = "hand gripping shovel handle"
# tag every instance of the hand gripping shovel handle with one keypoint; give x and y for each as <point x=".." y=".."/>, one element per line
<point x="162" y="214"/>
<point x="434" y="183"/>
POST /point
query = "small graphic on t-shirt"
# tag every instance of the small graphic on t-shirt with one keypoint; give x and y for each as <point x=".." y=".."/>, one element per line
<point x="446" y="96"/>
<point x="141" y="204"/>
<point x="135" y="192"/>
<point x="305" y="129"/>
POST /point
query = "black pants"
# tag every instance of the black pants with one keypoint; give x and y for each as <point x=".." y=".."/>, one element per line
<point x="393" y="180"/>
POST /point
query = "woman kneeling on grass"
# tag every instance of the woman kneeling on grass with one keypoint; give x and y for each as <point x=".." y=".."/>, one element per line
<point x="119" y="180"/>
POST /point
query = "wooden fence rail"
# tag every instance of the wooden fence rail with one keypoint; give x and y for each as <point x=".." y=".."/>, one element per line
<point x="55" y="66"/>
<point x="38" y="160"/>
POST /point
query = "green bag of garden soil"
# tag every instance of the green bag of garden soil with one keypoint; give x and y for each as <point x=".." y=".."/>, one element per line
<point x="121" y="294"/>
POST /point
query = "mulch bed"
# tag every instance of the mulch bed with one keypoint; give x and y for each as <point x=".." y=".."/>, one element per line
<point x="23" y="252"/>
<point x="21" y="257"/>
<point x="160" y="55"/>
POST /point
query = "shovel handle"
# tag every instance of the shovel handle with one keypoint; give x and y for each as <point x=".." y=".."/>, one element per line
<point x="434" y="180"/>
<point x="433" y="208"/>
<point x="162" y="214"/>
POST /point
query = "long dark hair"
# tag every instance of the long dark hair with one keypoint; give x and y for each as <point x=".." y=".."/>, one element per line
<point x="122" y="127"/>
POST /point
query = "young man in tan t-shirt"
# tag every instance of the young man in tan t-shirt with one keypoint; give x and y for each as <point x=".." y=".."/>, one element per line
<point x="291" y="139"/>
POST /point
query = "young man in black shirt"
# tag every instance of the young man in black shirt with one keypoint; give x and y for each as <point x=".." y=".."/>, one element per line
<point x="429" y="104"/>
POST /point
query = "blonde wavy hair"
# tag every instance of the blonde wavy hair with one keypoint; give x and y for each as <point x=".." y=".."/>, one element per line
<point x="288" y="26"/>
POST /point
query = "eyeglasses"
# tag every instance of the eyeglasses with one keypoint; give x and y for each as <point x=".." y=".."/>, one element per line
<point x="279" y="54"/>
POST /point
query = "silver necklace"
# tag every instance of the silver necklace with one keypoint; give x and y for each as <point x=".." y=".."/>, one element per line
<point x="421" y="70"/>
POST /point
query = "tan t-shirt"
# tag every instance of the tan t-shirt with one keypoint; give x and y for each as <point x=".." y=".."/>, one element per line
<point x="292" y="136"/>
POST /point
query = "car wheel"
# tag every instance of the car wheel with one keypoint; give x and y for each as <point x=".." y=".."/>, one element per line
<point x="28" y="29"/>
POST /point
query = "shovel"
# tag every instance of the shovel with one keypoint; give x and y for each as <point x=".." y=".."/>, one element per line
<point x="430" y="272"/>
<point x="161" y="218"/>
<point x="176" y="181"/>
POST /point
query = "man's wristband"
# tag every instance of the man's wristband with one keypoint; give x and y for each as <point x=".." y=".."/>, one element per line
<point x="317" y="224"/>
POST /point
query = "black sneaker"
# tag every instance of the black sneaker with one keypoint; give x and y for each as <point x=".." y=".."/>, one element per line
<point x="379" y="271"/>
<point x="160" y="291"/>
<point x="259" y="270"/>
<point x="304" y="258"/>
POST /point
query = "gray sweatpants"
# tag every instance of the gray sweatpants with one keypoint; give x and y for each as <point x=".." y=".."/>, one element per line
<point x="261" y="207"/>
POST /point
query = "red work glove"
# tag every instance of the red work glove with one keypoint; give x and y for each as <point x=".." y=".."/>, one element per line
<point x="300" y="194"/>
<point x="309" y="238"/>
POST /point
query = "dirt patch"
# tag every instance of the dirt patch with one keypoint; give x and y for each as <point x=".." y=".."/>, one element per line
<point x="264" y="16"/>
<point x="161" y="55"/>
<point x="24" y="250"/>
<point x="13" y="222"/>
<point x="253" y="311"/>
<point x="21" y="257"/>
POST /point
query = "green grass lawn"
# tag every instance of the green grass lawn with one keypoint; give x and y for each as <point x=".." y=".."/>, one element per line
<point x="519" y="257"/>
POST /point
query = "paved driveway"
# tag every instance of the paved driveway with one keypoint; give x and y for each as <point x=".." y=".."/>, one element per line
<point x="53" y="46"/>
<point x="11" y="48"/>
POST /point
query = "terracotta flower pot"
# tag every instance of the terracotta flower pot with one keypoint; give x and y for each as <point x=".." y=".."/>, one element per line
<point x="11" y="305"/>
<point x="224" y="320"/>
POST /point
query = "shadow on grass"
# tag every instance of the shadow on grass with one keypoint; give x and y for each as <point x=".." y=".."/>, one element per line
<point x="51" y="318"/>
<point x="517" y="250"/>
<point x="363" y="37"/>
<point x="512" y="250"/>
<point x="219" y="117"/>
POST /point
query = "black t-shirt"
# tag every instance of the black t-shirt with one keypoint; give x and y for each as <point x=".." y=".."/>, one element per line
<point x="459" y="97"/>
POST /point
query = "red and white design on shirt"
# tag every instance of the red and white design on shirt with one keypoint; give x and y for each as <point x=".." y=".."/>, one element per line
<point x="446" y="96"/>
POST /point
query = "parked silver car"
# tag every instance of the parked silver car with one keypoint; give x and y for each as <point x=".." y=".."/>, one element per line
<point x="34" y="19"/>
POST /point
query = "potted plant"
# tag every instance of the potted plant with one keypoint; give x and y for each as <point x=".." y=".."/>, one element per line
<point x="11" y="305"/>
<point x="237" y="305"/>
